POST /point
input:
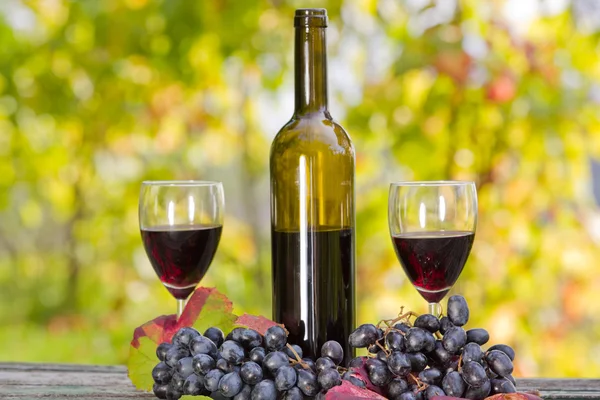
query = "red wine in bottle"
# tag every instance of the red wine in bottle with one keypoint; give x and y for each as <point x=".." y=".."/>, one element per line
<point x="312" y="205"/>
<point x="433" y="261"/>
<point x="181" y="254"/>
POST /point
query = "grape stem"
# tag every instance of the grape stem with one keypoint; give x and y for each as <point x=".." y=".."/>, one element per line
<point x="298" y="360"/>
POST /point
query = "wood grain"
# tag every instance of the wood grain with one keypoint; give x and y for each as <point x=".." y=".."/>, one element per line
<point x="70" y="381"/>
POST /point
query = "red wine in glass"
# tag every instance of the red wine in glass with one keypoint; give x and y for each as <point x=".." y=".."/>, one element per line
<point x="181" y="254"/>
<point x="433" y="261"/>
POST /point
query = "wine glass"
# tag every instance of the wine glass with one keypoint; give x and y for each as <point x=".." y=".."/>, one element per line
<point x="181" y="223"/>
<point x="432" y="225"/>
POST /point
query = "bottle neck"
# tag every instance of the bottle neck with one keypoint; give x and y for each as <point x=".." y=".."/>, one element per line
<point x="310" y="70"/>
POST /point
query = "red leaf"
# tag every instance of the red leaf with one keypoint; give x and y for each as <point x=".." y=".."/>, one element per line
<point x="347" y="391"/>
<point x="207" y="307"/>
<point x="361" y="373"/>
<point x="506" y="396"/>
<point x="156" y="330"/>
<point x="197" y="302"/>
<point x="258" y="323"/>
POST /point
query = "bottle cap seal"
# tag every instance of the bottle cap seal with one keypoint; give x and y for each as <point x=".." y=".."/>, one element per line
<point x="314" y="17"/>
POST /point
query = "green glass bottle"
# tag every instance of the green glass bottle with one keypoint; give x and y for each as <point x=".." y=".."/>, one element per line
<point x="312" y="205"/>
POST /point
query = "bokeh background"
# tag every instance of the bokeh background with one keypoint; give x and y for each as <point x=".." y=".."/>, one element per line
<point x="96" y="96"/>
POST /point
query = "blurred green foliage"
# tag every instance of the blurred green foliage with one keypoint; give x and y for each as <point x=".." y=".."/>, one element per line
<point x="96" y="96"/>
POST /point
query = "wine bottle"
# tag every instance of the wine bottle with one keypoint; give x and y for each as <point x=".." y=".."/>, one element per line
<point x="312" y="205"/>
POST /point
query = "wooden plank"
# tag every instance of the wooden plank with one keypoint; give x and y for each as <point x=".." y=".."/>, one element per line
<point x="19" y="381"/>
<point x="66" y="381"/>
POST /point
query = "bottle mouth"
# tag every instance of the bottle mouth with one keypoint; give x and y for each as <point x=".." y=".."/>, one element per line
<point x="313" y="17"/>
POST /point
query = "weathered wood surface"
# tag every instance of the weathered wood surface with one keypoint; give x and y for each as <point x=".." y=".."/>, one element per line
<point x="68" y="381"/>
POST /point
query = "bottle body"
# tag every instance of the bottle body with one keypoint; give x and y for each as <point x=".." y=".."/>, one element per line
<point x="312" y="205"/>
<point x="312" y="216"/>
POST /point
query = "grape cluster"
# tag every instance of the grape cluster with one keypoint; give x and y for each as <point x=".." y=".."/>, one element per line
<point x="244" y="365"/>
<point x="434" y="357"/>
<point x="407" y="361"/>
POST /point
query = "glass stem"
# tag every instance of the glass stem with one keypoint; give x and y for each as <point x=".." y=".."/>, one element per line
<point x="180" y="306"/>
<point x="435" y="309"/>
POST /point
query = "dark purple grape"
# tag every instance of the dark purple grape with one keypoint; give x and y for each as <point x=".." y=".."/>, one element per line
<point x="428" y="322"/>
<point x="329" y="378"/>
<point x="407" y="396"/>
<point x="232" y="351"/>
<point x="203" y="345"/>
<point x="364" y="336"/>
<point x="333" y="350"/>
<point x="244" y="394"/>
<point x="353" y="379"/>
<point x="382" y="355"/>
<point x="161" y="351"/>
<point x="285" y="378"/>
<point x="184" y="336"/>
<point x="453" y="384"/>
<point x="203" y="363"/>
<point x="215" y="335"/>
<point x="291" y="354"/>
<point x="160" y="391"/>
<point x="293" y="394"/>
<point x="173" y="394"/>
<point x="264" y="390"/>
<point x="499" y="363"/>
<point x="458" y="311"/>
<point x="396" y="387"/>
<point x="230" y="384"/>
<point x="474" y="374"/>
<point x="472" y="352"/>
<point x="177" y="382"/>
<point x="174" y="354"/>
<point x="275" y="360"/>
<point x="395" y="341"/>
<point x="445" y="324"/>
<point x="476" y="393"/>
<point x="417" y="339"/>
<point x="505" y="349"/>
<point x="356" y="362"/>
<point x="225" y="366"/>
<point x="431" y="376"/>
<point x="399" y="363"/>
<point x="478" y="335"/>
<point x="502" y="385"/>
<point x="324" y="363"/>
<point x="402" y="326"/>
<point x="378" y="372"/>
<point x="250" y="339"/>
<point x="510" y="378"/>
<point x="185" y="367"/>
<point x="211" y="380"/>
<point x="311" y="364"/>
<point x="433" y="390"/>
<point x="251" y="373"/>
<point x="307" y="382"/>
<point x="235" y="335"/>
<point x="418" y="361"/>
<point x="440" y="354"/>
<point x="373" y="349"/>
<point x="162" y="373"/>
<point x="454" y="339"/>
<point x="194" y="385"/>
<point x="257" y="355"/>
<point x="275" y="338"/>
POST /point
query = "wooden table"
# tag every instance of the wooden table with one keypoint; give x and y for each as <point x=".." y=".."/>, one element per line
<point x="68" y="381"/>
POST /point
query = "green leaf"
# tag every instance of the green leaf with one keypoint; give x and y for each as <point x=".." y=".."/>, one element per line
<point x="195" y="397"/>
<point x="141" y="362"/>
<point x="207" y="307"/>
